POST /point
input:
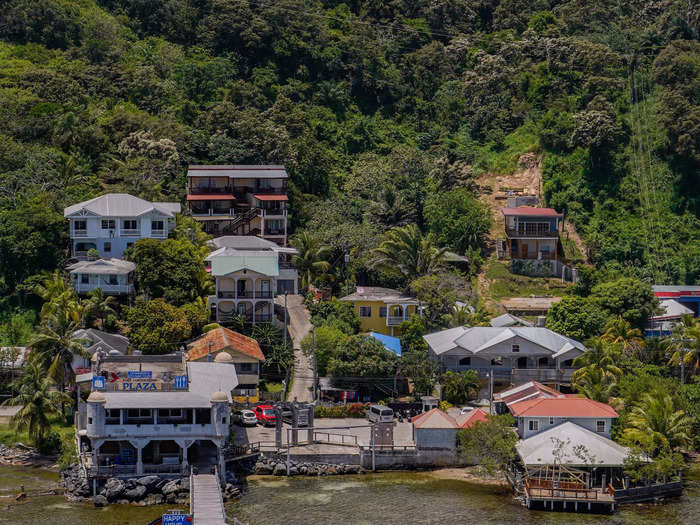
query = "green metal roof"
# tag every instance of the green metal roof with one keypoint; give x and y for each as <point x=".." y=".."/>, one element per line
<point x="263" y="264"/>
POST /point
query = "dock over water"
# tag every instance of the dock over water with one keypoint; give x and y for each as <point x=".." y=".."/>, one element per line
<point x="206" y="501"/>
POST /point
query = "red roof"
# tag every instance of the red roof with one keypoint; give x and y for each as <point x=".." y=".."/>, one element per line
<point x="562" y="407"/>
<point x="434" y="418"/>
<point x="531" y="212"/>
<point x="529" y="390"/>
<point x="467" y="420"/>
<point x="211" y="197"/>
<point x="271" y="197"/>
<point x="221" y="338"/>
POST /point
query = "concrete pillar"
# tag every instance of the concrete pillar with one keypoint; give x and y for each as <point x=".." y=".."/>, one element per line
<point x="602" y="483"/>
<point x="139" y="460"/>
<point x="222" y="464"/>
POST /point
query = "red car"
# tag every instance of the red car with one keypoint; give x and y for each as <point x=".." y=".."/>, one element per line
<point x="265" y="415"/>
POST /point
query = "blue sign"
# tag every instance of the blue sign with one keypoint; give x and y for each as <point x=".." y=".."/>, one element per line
<point x="98" y="383"/>
<point x="177" y="519"/>
<point x="140" y="375"/>
<point x="180" y="382"/>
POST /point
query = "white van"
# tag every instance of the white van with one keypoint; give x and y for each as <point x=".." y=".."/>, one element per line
<point x="380" y="414"/>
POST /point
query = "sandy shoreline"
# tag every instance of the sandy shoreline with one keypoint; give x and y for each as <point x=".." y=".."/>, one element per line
<point x="468" y="474"/>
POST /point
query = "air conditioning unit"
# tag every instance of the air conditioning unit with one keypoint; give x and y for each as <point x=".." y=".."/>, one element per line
<point x="540" y="321"/>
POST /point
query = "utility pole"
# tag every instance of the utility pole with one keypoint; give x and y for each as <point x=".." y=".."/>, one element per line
<point x="285" y="319"/>
<point x="313" y="357"/>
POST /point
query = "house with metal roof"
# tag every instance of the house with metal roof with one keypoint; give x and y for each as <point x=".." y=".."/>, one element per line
<point x="239" y="199"/>
<point x="96" y="341"/>
<point x="382" y="310"/>
<point x="434" y="429"/>
<point x="538" y="414"/>
<point x="222" y="345"/>
<point x="508" y="320"/>
<point x="112" y="222"/>
<point x="686" y="295"/>
<point x="523" y="392"/>
<point x="249" y="273"/>
<point x="513" y="354"/>
<point x="154" y="415"/>
<point x="112" y="276"/>
<point x="672" y="311"/>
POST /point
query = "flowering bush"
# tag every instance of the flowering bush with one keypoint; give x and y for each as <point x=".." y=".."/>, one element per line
<point x="356" y="410"/>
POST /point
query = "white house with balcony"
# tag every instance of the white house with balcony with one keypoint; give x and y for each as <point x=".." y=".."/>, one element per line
<point x="113" y="276"/>
<point x="113" y="222"/>
<point x="512" y="354"/>
<point x="249" y="272"/>
<point x="154" y="415"/>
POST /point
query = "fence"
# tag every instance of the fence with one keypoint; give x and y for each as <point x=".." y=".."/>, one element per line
<point x="335" y="439"/>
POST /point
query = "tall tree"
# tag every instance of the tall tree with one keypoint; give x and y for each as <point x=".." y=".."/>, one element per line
<point x="601" y="356"/>
<point x="311" y="260"/>
<point x="685" y="343"/>
<point x="656" y="425"/>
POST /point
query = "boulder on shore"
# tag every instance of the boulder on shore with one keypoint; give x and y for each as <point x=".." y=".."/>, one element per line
<point x="100" y="501"/>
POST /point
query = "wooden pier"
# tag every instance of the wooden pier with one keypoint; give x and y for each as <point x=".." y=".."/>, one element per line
<point x="206" y="501"/>
<point x="561" y="488"/>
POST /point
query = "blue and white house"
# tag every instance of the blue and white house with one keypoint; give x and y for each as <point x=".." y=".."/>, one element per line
<point x="113" y="222"/>
<point x="514" y="354"/>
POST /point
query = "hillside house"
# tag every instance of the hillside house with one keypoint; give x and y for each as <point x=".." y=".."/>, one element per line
<point x="222" y="345"/>
<point x="530" y="390"/>
<point x="382" y="310"/>
<point x="112" y="276"/>
<point x="96" y="341"/>
<point x="249" y="273"/>
<point x="513" y="354"/>
<point x="536" y="415"/>
<point x="239" y="200"/>
<point x="686" y="295"/>
<point x="154" y="415"/>
<point x="113" y="222"/>
<point x="672" y="312"/>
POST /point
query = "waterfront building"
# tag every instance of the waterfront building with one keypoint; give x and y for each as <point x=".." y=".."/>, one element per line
<point x="513" y="354"/>
<point x="434" y="429"/>
<point x="537" y="415"/>
<point x="249" y="272"/>
<point x="222" y="345"/>
<point x="113" y="222"/>
<point x="239" y="200"/>
<point x="154" y="415"/>
<point x="382" y="310"/>
<point x="112" y="276"/>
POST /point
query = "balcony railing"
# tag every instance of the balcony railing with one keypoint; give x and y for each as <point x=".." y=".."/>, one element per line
<point x="274" y="212"/>
<point x="205" y="212"/>
<point x="130" y="232"/>
<point x="207" y="190"/>
<point x="521" y="375"/>
<point x="158" y="233"/>
<point x="80" y="233"/>
<point x="521" y="234"/>
<point x="106" y="288"/>
<point x="270" y="191"/>
<point x="395" y="320"/>
<point x="248" y="392"/>
<point x="274" y="233"/>
<point x="258" y="294"/>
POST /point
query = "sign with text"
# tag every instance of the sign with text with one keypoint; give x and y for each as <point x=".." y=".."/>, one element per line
<point x="144" y="385"/>
<point x="177" y="519"/>
<point x="98" y="383"/>
<point x="139" y="375"/>
<point x="180" y="382"/>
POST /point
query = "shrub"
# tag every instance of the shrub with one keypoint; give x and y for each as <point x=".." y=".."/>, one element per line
<point x="352" y="410"/>
<point x="50" y="444"/>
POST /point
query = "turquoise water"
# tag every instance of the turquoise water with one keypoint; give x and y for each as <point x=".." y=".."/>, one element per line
<point x="386" y="499"/>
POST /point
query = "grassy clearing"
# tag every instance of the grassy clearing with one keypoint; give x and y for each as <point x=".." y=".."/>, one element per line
<point x="503" y="283"/>
<point x="571" y="251"/>
<point x="503" y="160"/>
<point x="270" y="386"/>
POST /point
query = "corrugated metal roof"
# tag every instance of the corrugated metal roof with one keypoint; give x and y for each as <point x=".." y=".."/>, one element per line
<point x="531" y="212"/>
<point x="122" y="205"/>
<point x="249" y="242"/>
<point x="468" y="420"/>
<point x="672" y="309"/>
<point x="103" y="267"/>
<point x="508" y="320"/>
<point x="226" y="260"/>
<point x="538" y="449"/>
<point x="377" y="293"/>
<point x="562" y="407"/>
<point x="434" y="418"/>
<point x="238" y="171"/>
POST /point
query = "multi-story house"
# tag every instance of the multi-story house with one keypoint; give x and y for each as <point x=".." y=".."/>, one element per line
<point x="154" y="415"/>
<point x="113" y="276"/>
<point x="382" y="310"/>
<point x="222" y="345"/>
<point x="239" y="200"/>
<point x="536" y="415"/>
<point x="532" y="233"/>
<point x="513" y="354"/>
<point x="113" y="222"/>
<point x="249" y="272"/>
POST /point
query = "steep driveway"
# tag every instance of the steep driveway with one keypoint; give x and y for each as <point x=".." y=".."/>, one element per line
<point x="299" y="327"/>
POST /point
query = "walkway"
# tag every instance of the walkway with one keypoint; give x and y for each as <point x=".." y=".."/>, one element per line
<point x="299" y="327"/>
<point x="206" y="502"/>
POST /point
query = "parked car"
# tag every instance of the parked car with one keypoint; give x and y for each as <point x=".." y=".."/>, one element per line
<point x="265" y="415"/>
<point x="245" y="418"/>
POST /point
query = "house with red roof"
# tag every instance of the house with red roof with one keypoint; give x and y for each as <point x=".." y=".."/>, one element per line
<point x="532" y="234"/>
<point x="467" y="420"/>
<point x="538" y="414"/>
<point x="435" y="430"/>
<point x="223" y="345"/>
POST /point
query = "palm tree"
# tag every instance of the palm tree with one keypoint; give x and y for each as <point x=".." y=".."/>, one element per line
<point x="52" y="288"/>
<point x="39" y="399"/>
<point x="458" y="387"/>
<point x="594" y="384"/>
<point x="99" y="306"/>
<point x="657" y="426"/>
<point x="311" y="259"/>
<point x="392" y="209"/>
<point x="618" y="331"/>
<point x="406" y="253"/>
<point x="459" y="316"/>
<point x="600" y="355"/>
<point x="685" y="343"/>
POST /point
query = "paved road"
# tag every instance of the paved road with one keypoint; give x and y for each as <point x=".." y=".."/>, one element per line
<point x="299" y="327"/>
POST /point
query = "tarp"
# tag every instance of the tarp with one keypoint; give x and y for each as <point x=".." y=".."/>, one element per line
<point x="390" y="343"/>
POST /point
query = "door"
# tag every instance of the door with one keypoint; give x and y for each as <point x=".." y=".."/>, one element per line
<point x="523" y="250"/>
<point x="241" y="288"/>
<point x="265" y="288"/>
<point x="522" y="362"/>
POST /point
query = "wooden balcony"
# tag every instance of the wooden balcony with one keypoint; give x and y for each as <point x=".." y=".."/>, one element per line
<point x="521" y="234"/>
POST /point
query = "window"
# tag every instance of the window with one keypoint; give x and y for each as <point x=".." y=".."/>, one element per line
<point x="551" y="420"/>
<point x="128" y="245"/>
<point x="107" y="224"/>
<point x="84" y="278"/>
<point x="533" y="425"/>
<point x="600" y="427"/>
<point x="465" y="361"/>
<point x="365" y="311"/>
<point x="157" y="226"/>
<point x="80" y="225"/>
<point x="139" y="413"/>
<point x="223" y="420"/>
<point x="89" y="421"/>
<point x="113" y="280"/>
<point x="129" y="224"/>
<point x="382" y="311"/>
<point x="107" y="247"/>
<point x="175" y="413"/>
<point x="246" y="367"/>
<point x="515" y="348"/>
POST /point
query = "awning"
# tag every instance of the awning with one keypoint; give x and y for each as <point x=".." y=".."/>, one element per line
<point x="271" y="197"/>
<point x="211" y="197"/>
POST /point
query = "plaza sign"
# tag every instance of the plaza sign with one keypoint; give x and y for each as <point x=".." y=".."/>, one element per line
<point x="177" y="519"/>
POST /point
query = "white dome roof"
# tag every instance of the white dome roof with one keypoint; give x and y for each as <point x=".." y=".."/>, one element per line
<point x="223" y="357"/>
<point x="219" y="397"/>
<point x="96" y="397"/>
